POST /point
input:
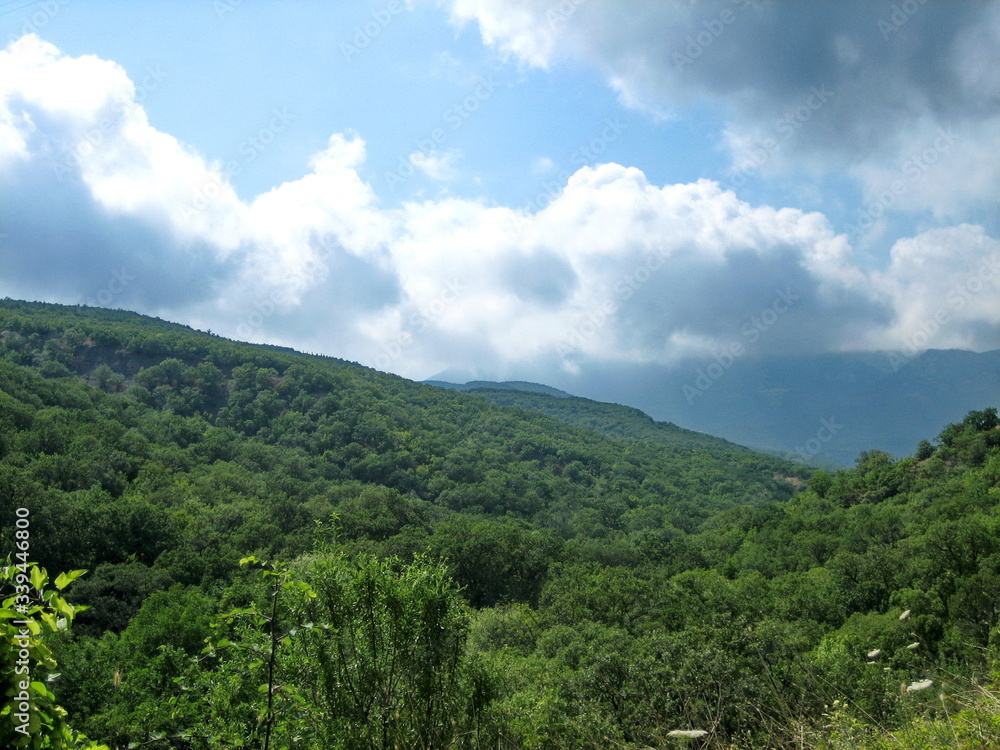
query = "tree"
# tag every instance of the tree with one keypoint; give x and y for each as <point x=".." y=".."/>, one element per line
<point x="353" y="653"/>
<point x="386" y="651"/>
<point x="30" y="615"/>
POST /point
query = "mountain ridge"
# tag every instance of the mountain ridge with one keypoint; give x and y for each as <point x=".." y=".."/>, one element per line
<point x="778" y="404"/>
<point x="615" y="420"/>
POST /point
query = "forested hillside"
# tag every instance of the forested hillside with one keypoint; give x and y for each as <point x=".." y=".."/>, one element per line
<point x="424" y="569"/>
<point x="885" y="400"/>
<point x="614" y="420"/>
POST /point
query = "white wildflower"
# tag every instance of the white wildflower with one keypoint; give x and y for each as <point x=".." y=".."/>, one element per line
<point x="915" y="644"/>
<point x="691" y="733"/>
<point x="905" y="615"/>
<point x="875" y="654"/>
<point x="919" y="685"/>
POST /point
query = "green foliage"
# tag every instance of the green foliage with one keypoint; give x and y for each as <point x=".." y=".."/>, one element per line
<point x="33" y="612"/>
<point x="389" y="648"/>
<point x="500" y="570"/>
<point x="346" y="653"/>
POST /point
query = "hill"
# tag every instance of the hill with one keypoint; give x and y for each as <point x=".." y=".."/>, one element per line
<point x="422" y="568"/>
<point x="882" y="401"/>
<point x="614" y="420"/>
<point x="132" y="409"/>
<point x="519" y="386"/>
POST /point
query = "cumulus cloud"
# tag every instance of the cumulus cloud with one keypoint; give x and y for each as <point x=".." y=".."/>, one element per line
<point x="99" y="205"/>
<point x="944" y="286"/>
<point x="79" y="184"/>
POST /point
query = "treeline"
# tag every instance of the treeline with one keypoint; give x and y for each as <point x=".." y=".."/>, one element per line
<point x="444" y="572"/>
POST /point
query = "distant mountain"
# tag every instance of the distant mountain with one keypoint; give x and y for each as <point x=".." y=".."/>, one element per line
<point x="825" y="408"/>
<point x="510" y="385"/>
<point x="614" y="420"/>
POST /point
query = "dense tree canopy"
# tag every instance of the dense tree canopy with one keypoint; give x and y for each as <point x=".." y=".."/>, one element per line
<point x="450" y="570"/>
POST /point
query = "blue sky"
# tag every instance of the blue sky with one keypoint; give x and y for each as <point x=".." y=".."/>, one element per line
<point x="390" y="73"/>
<point x="505" y="187"/>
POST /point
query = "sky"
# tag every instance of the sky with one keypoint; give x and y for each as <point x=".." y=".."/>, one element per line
<point x="504" y="188"/>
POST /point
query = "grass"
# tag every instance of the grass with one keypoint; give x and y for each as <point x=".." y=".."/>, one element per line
<point x="955" y="718"/>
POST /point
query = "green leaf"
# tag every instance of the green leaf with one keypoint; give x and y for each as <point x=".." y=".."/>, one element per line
<point x="38" y="578"/>
<point x="65" y="579"/>
<point x="63" y="606"/>
<point x="39" y="687"/>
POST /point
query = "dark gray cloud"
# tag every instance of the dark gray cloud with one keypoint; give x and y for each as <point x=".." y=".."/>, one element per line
<point x="887" y="63"/>
<point x="767" y="302"/>
<point x="832" y="84"/>
<point x="60" y="243"/>
<point x="541" y="278"/>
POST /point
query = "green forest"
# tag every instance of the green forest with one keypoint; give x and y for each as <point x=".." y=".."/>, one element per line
<point x="285" y="550"/>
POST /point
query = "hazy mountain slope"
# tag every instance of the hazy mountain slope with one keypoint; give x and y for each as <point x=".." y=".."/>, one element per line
<point x="785" y="404"/>
<point x="520" y="386"/>
<point x="615" y="420"/>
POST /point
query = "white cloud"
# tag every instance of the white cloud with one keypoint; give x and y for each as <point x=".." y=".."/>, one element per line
<point x="543" y="165"/>
<point x="944" y="285"/>
<point x="517" y="27"/>
<point x="613" y="268"/>
<point x="435" y="164"/>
